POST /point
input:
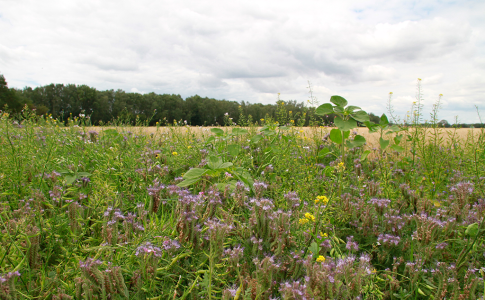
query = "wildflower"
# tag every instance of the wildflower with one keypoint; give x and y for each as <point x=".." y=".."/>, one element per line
<point x="303" y="221"/>
<point x="321" y="199"/>
<point x="341" y="166"/>
<point x="321" y="258"/>
<point x="175" y="153"/>
<point x="188" y="147"/>
<point x="310" y="217"/>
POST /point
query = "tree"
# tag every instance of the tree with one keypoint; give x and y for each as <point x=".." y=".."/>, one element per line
<point x="8" y="97"/>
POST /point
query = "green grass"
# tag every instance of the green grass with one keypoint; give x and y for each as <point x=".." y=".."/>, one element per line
<point x="87" y="215"/>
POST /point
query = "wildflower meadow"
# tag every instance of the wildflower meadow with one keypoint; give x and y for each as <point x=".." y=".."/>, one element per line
<point x="268" y="210"/>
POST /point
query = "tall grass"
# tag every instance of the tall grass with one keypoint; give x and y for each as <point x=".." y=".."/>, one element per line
<point x="231" y="213"/>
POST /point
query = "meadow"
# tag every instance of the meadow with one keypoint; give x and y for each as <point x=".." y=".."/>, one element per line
<point x="256" y="212"/>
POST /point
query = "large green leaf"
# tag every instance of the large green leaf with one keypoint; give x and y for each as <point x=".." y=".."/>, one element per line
<point x="373" y="127"/>
<point x="384" y="120"/>
<point x="339" y="109"/>
<point x="337" y="100"/>
<point x="345" y="125"/>
<point x="364" y="155"/>
<point x="217" y="131"/>
<point x="188" y="182"/>
<point x="472" y="229"/>
<point x="360" y="116"/>
<point x="324" y="109"/>
<point x="359" y="140"/>
<point x="314" y="249"/>
<point x="324" y="152"/>
<point x="397" y="148"/>
<point x="234" y="149"/>
<point x="351" y="108"/>
<point x="397" y="139"/>
<point x="239" y="131"/>
<point x="336" y="136"/>
<point x="256" y="138"/>
<point x="225" y="165"/>
<point x="194" y="173"/>
<point x="384" y="143"/>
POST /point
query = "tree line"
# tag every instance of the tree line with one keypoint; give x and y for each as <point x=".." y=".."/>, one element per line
<point x="106" y="107"/>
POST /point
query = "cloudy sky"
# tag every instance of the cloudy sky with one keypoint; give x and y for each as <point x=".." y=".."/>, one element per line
<point x="252" y="50"/>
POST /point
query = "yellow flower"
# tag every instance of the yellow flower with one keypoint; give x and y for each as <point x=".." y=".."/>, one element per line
<point x="262" y="120"/>
<point x="310" y="217"/>
<point x="322" y="199"/>
<point x="374" y="271"/>
<point x="321" y="258"/>
<point x="303" y="221"/>
<point x="188" y="147"/>
<point x="174" y="153"/>
<point x="325" y="235"/>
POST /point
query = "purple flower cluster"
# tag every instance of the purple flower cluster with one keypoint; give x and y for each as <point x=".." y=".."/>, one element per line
<point x="293" y="290"/>
<point x="351" y="244"/>
<point x="292" y="199"/>
<point x="389" y="239"/>
<point x="6" y="277"/>
<point x="89" y="263"/>
<point x="379" y="203"/>
<point x="148" y="249"/>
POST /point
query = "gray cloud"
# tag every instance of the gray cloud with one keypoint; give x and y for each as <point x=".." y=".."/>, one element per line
<point x="252" y="50"/>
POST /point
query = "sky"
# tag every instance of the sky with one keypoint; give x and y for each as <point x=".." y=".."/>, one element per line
<point x="252" y="50"/>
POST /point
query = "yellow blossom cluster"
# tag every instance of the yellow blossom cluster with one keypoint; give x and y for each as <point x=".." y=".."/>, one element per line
<point x="308" y="217"/>
<point x="321" y="199"/>
<point x="321" y="258"/>
<point x="175" y="153"/>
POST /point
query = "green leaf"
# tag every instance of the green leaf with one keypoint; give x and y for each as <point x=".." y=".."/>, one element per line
<point x="346" y="134"/>
<point x="70" y="179"/>
<point x="359" y="140"/>
<point x="364" y="155"/>
<point x="371" y="126"/>
<point x="397" y="139"/>
<point x="225" y="165"/>
<point x="397" y="148"/>
<point x="339" y="109"/>
<point x="384" y="143"/>
<point x="351" y="108"/>
<point x="345" y="125"/>
<point x="239" y="131"/>
<point x="194" y="173"/>
<point x="472" y="229"/>
<point x="360" y="116"/>
<point x="217" y="131"/>
<point x="336" y="136"/>
<point x="85" y="174"/>
<point x="324" y="152"/>
<point x="256" y="138"/>
<point x="329" y="170"/>
<point x="337" y="100"/>
<point x="395" y="128"/>
<point x="384" y="120"/>
<point x="314" y="249"/>
<point x="188" y="182"/>
<point x="210" y="140"/>
<point x="324" y="109"/>
<point x="234" y="149"/>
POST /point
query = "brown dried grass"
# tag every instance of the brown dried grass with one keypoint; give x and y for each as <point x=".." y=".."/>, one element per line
<point x="311" y="133"/>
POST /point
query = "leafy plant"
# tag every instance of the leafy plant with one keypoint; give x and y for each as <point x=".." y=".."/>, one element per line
<point x="346" y="119"/>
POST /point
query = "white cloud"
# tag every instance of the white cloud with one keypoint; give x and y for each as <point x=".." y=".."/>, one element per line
<point x="251" y="50"/>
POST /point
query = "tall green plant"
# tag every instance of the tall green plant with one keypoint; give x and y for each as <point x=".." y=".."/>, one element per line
<point x="346" y="119"/>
